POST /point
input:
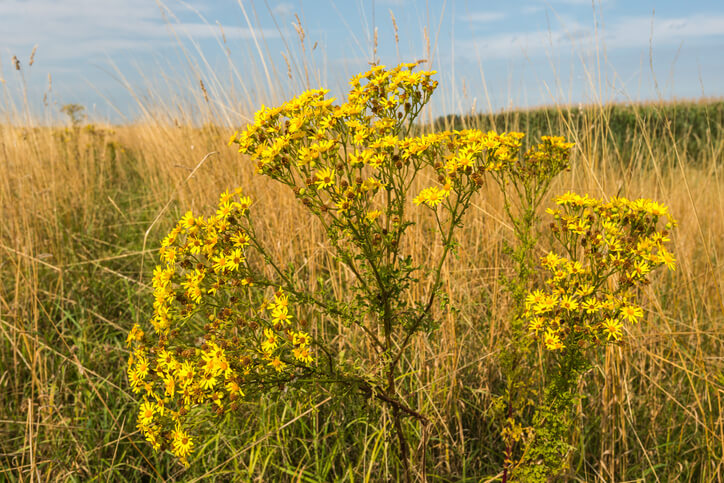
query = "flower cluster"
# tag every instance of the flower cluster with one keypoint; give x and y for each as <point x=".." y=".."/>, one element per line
<point x="611" y="249"/>
<point x="337" y="157"/>
<point x="223" y="331"/>
<point x="472" y="153"/>
<point x="217" y="336"/>
<point x="461" y="159"/>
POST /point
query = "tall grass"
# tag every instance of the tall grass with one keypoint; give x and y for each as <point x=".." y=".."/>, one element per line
<point x="83" y="210"/>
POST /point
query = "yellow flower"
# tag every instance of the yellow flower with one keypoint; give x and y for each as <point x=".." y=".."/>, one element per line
<point x="612" y="328"/>
<point x="195" y="244"/>
<point x="187" y="221"/>
<point x="640" y="269"/>
<point x="225" y="197"/>
<point x="159" y="406"/>
<point x="568" y="198"/>
<point x="575" y="268"/>
<point x="584" y="290"/>
<point x="145" y="415"/>
<point x="360" y="157"/>
<point x="280" y="314"/>
<point x="325" y="178"/>
<point x="182" y="443"/>
<point x="192" y="284"/>
<point x="219" y="263"/>
<point x="169" y="384"/>
<point x="377" y="160"/>
<point x="301" y="339"/>
<point x="277" y="364"/>
<point x="666" y="258"/>
<point x="135" y="380"/>
<point x="270" y="341"/>
<point x="224" y="210"/>
<point x="208" y="381"/>
<point x="168" y="255"/>
<point x="234" y="389"/>
<point x="590" y="305"/>
<point x="373" y="215"/>
<point x="243" y="204"/>
<point x="302" y="354"/>
<point x="185" y="373"/>
<point x="152" y="437"/>
<point x="295" y="124"/>
<point x="533" y="298"/>
<point x="535" y="325"/>
<point x="632" y="313"/>
<point x="142" y="367"/>
<point x="552" y="340"/>
<point x="343" y="206"/>
<point x="240" y="239"/>
<point x="546" y="304"/>
<point x="568" y="303"/>
<point x="432" y="196"/>
<point x="136" y="334"/>
<point x="551" y="261"/>
<point x="280" y="300"/>
<point x="235" y="259"/>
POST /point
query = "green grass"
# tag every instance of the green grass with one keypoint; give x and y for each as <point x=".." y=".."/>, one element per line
<point x="74" y="275"/>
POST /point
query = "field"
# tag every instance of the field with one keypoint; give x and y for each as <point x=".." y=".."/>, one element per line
<point x="84" y="209"/>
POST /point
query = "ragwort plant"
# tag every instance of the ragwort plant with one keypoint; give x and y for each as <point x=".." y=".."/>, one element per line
<point x="609" y="249"/>
<point x="218" y="337"/>
<point x="230" y="323"/>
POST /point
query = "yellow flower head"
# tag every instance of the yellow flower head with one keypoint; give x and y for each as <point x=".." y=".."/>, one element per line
<point x="146" y="413"/>
<point x="270" y="341"/>
<point x="552" y="340"/>
<point x="612" y="328"/>
<point x="431" y="197"/>
<point x="182" y="443"/>
<point x="325" y="178"/>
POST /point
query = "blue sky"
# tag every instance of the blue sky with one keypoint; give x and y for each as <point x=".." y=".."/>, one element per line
<point x="114" y="56"/>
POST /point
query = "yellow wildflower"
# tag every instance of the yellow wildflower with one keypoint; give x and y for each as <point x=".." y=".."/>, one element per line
<point x="277" y="364"/>
<point x="612" y="328"/>
<point x="146" y="413"/>
<point x="552" y="340"/>
<point x="632" y="313"/>
<point x="270" y="341"/>
<point x="325" y="178"/>
<point x="182" y="443"/>
<point x="432" y="196"/>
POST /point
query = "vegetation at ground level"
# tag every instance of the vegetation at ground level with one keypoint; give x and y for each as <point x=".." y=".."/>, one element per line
<point x="84" y="208"/>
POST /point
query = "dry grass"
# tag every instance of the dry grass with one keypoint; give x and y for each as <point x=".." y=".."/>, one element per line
<point x="83" y="210"/>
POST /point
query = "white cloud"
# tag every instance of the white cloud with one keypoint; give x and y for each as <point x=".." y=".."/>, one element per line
<point x="283" y="9"/>
<point x="531" y="9"/>
<point x="72" y="29"/>
<point x="637" y="31"/>
<point x="627" y="32"/>
<point x="483" y="17"/>
<point x="201" y="30"/>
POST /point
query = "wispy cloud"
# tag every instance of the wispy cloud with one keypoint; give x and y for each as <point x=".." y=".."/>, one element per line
<point x="483" y="17"/>
<point x="531" y="9"/>
<point x="626" y="32"/>
<point x="73" y="29"/>
<point x="283" y="9"/>
<point x="639" y="31"/>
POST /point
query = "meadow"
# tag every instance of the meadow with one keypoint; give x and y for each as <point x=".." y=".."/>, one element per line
<point x="85" y="207"/>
